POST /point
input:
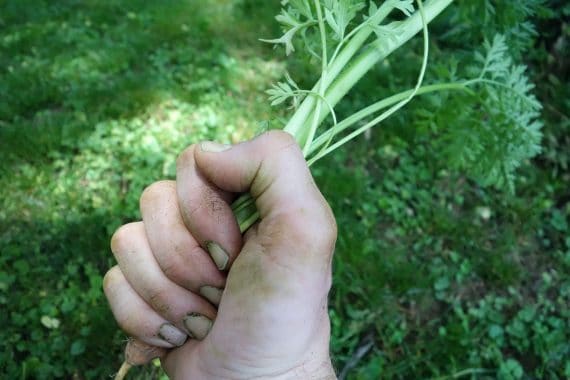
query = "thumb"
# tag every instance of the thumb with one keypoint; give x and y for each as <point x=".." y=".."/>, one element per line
<point x="277" y="288"/>
<point x="272" y="168"/>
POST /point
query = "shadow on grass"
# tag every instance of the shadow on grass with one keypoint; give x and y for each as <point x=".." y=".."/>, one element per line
<point x="57" y="323"/>
<point x="66" y="66"/>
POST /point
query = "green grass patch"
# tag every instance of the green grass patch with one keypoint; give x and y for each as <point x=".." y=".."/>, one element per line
<point x="435" y="276"/>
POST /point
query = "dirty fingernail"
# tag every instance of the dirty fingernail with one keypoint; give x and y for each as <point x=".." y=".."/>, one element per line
<point x="213" y="147"/>
<point x="218" y="254"/>
<point x="212" y="294"/>
<point x="198" y="325"/>
<point x="171" y="334"/>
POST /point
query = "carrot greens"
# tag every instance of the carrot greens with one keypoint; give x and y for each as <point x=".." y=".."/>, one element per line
<point x="499" y="131"/>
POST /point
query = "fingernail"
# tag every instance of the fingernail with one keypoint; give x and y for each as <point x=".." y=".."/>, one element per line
<point x="197" y="325"/>
<point x="212" y="294"/>
<point x="214" y="147"/>
<point x="218" y="254"/>
<point x="171" y="334"/>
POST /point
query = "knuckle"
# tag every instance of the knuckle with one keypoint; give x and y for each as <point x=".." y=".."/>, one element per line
<point x="278" y="141"/>
<point x="186" y="157"/>
<point x="331" y="227"/>
<point x="280" y="137"/>
<point x="157" y="299"/>
<point x="180" y="266"/>
<point x="324" y="232"/>
<point x="111" y="278"/>
<point x="154" y="191"/>
<point x="123" y="237"/>
<point x="173" y="267"/>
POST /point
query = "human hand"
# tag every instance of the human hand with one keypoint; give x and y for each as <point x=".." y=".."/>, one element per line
<point x="272" y="321"/>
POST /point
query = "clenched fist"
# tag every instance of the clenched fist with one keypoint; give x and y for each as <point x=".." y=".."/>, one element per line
<point x="214" y="304"/>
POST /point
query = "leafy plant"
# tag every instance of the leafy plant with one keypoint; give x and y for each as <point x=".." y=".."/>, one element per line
<point x="98" y="99"/>
<point x="499" y="129"/>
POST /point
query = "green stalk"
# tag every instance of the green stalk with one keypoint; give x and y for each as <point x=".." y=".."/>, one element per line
<point x="384" y="103"/>
<point x="380" y="49"/>
<point x="375" y="52"/>
<point x="323" y="80"/>
<point x="296" y="124"/>
<point x="392" y="109"/>
<point x="339" y="81"/>
<point x="245" y="211"/>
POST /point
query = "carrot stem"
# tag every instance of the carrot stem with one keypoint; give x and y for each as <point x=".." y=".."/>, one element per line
<point x="125" y="367"/>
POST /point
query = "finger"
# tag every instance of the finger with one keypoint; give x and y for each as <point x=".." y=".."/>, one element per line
<point x="183" y="308"/>
<point x="272" y="168"/>
<point x="206" y="212"/>
<point x="138" y="353"/>
<point x="135" y="316"/>
<point x="178" y="254"/>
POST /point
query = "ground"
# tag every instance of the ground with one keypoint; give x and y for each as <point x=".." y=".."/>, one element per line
<point x="435" y="276"/>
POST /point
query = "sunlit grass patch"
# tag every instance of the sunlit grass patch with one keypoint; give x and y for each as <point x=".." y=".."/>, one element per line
<point x="434" y="276"/>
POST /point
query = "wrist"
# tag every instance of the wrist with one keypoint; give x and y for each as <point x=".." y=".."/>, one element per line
<point x="324" y="371"/>
<point x="315" y="370"/>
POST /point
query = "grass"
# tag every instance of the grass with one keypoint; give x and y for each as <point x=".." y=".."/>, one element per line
<point x="435" y="276"/>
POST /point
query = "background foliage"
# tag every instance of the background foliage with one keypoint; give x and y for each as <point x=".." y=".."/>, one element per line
<point x="435" y="275"/>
